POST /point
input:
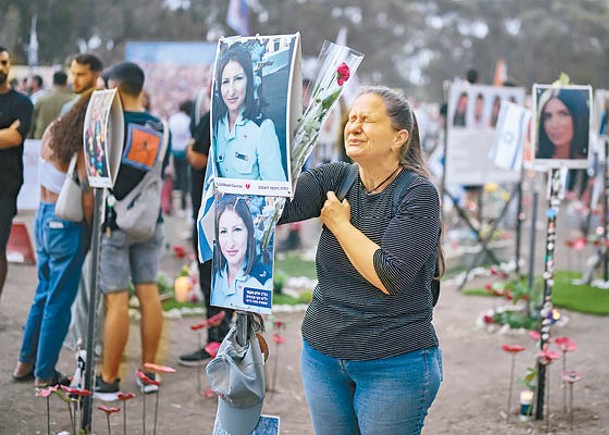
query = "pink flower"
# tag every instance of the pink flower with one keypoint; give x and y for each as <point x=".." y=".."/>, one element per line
<point x="535" y="335"/>
<point x="76" y="391"/>
<point x="216" y="319"/>
<point x="512" y="348"/>
<point x="277" y="338"/>
<point x="546" y="357"/>
<point x="108" y="409"/>
<point x="145" y="379"/>
<point x="46" y="392"/>
<point x="342" y="74"/>
<point x="571" y="376"/>
<point x="565" y="344"/>
<point x="126" y="396"/>
<point x="488" y="288"/>
<point x="159" y="369"/>
<point x="278" y="324"/>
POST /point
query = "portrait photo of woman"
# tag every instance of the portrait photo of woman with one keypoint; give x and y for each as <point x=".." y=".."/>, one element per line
<point x="563" y="123"/>
<point x="245" y="140"/>
<point x="240" y="278"/>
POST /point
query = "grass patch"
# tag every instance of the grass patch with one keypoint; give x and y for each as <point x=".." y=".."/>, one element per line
<point x="293" y="265"/>
<point x="581" y="298"/>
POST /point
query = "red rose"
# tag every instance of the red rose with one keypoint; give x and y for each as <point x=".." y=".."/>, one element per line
<point x="342" y="74"/>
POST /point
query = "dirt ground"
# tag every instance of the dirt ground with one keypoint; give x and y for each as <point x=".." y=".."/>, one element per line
<point x="472" y="398"/>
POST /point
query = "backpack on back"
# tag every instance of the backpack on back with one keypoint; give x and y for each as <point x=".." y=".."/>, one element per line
<point x="400" y="190"/>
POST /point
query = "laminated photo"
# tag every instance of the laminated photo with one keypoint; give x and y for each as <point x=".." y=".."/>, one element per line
<point x="253" y="113"/>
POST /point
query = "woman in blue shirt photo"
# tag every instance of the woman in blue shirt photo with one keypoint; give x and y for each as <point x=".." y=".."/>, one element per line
<point x="245" y="142"/>
<point x="235" y="260"/>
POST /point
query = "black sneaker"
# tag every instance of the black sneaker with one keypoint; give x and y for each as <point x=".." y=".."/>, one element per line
<point x="193" y="359"/>
<point x="147" y="388"/>
<point x="104" y="391"/>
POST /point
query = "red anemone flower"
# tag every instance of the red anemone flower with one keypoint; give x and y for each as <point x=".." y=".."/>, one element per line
<point x="46" y="392"/>
<point x="571" y="376"/>
<point x="277" y="338"/>
<point x="535" y="335"/>
<point x="126" y="396"/>
<point x="158" y="368"/>
<point x="564" y="344"/>
<point x="546" y="357"/>
<point x="512" y="348"/>
<point x="212" y="348"/>
<point x="76" y="391"/>
<point x="108" y="409"/>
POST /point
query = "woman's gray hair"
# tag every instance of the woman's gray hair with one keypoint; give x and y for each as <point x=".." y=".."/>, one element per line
<point x="402" y="118"/>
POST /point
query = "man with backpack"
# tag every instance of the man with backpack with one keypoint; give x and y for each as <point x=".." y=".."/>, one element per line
<point x="130" y="249"/>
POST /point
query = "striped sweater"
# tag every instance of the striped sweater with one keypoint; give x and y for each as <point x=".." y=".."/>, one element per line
<point x="348" y="317"/>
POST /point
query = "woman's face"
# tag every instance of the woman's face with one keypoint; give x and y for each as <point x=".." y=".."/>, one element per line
<point x="233" y="85"/>
<point x="232" y="235"/>
<point x="369" y="132"/>
<point x="558" y="123"/>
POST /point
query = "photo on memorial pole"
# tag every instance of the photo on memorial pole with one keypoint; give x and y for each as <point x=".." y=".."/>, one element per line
<point x="242" y="263"/>
<point x="473" y="116"/>
<point x="601" y="111"/>
<point x="254" y="80"/>
<point x="103" y="137"/>
<point x="561" y="133"/>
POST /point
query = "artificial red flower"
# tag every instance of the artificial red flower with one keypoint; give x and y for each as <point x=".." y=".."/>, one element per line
<point x="76" y="391"/>
<point x="571" y="376"/>
<point x="212" y="348"/>
<point x="126" y="396"/>
<point x="546" y="357"/>
<point x="578" y="244"/>
<point x="215" y="320"/>
<point x="179" y="251"/>
<point x="108" y="409"/>
<point x="278" y="324"/>
<point x="46" y="392"/>
<point x="488" y="319"/>
<point x="564" y="344"/>
<point x="488" y="288"/>
<point x="198" y="326"/>
<point x="535" y="335"/>
<point x="277" y="338"/>
<point x="342" y="74"/>
<point x="158" y="368"/>
<point x="145" y="379"/>
<point x="209" y="393"/>
<point x="512" y="348"/>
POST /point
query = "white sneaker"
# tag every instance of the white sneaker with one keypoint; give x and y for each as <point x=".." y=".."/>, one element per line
<point x="148" y="388"/>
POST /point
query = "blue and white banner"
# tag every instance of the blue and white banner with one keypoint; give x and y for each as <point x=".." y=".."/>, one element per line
<point x="508" y="144"/>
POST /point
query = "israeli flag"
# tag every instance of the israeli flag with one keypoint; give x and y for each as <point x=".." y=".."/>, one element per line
<point x="205" y="219"/>
<point x="508" y="144"/>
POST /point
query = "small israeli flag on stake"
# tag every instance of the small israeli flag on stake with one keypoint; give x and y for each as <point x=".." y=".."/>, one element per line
<point x="205" y="219"/>
<point x="508" y="144"/>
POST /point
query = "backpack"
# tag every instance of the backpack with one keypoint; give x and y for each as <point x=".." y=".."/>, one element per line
<point x="400" y="190"/>
<point x="138" y="212"/>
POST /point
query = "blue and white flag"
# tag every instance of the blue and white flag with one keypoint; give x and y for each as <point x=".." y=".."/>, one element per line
<point x="508" y="144"/>
<point x="205" y="219"/>
<point x="237" y="17"/>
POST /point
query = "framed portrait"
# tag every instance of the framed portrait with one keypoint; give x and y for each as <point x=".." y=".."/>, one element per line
<point x="562" y="117"/>
<point x="252" y="113"/>
<point x="242" y="262"/>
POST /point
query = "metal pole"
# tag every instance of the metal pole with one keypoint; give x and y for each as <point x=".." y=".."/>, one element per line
<point x="518" y="225"/>
<point x="87" y="406"/>
<point x="546" y="309"/>
<point x="605" y="211"/>
<point x="532" y="240"/>
<point x="242" y="328"/>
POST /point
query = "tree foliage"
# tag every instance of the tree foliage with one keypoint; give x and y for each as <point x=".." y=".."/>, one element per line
<point x="408" y="44"/>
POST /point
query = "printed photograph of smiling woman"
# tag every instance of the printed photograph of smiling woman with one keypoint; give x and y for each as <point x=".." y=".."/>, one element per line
<point x="242" y="259"/>
<point x="563" y="116"/>
<point x="251" y="86"/>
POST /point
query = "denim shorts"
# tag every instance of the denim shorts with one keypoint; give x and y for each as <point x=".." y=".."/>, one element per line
<point x="123" y="257"/>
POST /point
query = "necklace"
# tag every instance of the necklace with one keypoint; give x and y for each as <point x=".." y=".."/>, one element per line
<point x="382" y="182"/>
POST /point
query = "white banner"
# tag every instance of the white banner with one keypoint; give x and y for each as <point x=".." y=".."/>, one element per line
<point x="510" y="133"/>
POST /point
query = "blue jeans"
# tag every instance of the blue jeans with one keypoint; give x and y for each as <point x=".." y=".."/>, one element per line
<point x="381" y="397"/>
<point x="61" y="250"/>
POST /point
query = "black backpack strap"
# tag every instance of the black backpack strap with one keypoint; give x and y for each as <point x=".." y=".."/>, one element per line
<point x="402" y="185"/>
<point x="347" y="181"/>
